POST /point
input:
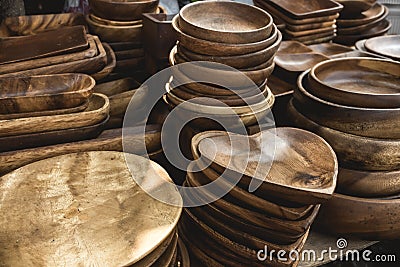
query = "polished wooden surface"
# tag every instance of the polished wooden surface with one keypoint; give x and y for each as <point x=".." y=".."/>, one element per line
<point x="330" y="49"/>
<point x="351" y="7"/>
<point x="380" y="29"/>
<point x="293" y="47"/>
<point x="387" y="46"/>
<point x="110" y="65"/>
<point x="116" y="86"/>
<point x="363" y="18"/>
<point x="114" y="22"/>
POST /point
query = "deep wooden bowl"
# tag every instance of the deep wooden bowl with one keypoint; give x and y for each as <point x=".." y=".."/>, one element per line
<point x="360" y="82"/>
<point x="351" y="7"/>
<point x="114" y="22"/>
<point x="225" y="22"/>
<point x="368" y="184"/>
<point x="45" y="92"/>
<point x="387" y="46"/>
<point x="367" y="122"/>
<point x="110" y="33"/>
<point x="216" y="48"/>
<point x="264" y="163"/>
<point x="125" y="10"/>
<point x="354" y="152"/>
<point x="366" y="218"/>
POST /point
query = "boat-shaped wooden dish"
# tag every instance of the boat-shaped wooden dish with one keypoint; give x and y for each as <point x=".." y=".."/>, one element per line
<point x="45" y="92"/>
<point x="116" y="86"/>
<point x="307" y="9"/>
<point x="292" y="47"/>
<point x="387" y="46"/>
<point x="365" y="17"/>
<point x="298" y="62"/>
<point x="110" y="65"/>
<point x="362" y="82"/>
<point x="96" y="112"/>
<point x="50" y="43"/>
<point x="95" y="189"/>
<point x="309" y="180"/>
<point x="226" y="22"/>
<point x="330" y="49"/>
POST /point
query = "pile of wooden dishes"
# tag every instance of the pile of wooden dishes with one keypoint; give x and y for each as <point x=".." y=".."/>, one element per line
<point x="63" y="50"/>
<point x="383" y="46"/>
<point x="240" y="53"/>
<point x="365" y="19"/>
<point x="232" y="229"/>
<point x="358" y="103"/>
<point x="93" y="199"/>
<point x="49" y="109"/>
<point x="309" y="22"/>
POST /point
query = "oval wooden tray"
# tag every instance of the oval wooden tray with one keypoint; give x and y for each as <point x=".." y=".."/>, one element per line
<point x="110" y="65"/>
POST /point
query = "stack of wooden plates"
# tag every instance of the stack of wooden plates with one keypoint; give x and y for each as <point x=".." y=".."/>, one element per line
<point x="232" y="229"/>
<point x="358" y="114"/>
<point x="91" y="212"/>
<point x="365" y="19"/>
<point x="306" y="21"/>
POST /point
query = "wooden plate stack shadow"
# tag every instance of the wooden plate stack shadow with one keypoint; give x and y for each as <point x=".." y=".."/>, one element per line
<point x="50" y="109"/>
<point x="309" y="22"/>
<point x="361" y="19"/>
<point x="222" y="63"/>
<point x="102" y="205"/>
<point x="354" y="104"/>
<point x="278" y="214"/>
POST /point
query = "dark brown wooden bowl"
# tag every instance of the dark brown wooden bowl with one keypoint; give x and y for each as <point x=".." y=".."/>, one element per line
<point x="306" y="9"/>
<point x="293" y="47"/>
<point x="387" y="46"/>
<point x="351" y="7"/>
<point x="225" y="22"/>
<point x="218" y="49"/>
<point x="367" y="122"/>
<point x="125" y="10"/>
<point x="366" y="218"/>
<point x="365" y="17"/>
<point x="354" y="152"/>
<point x="45" y="92"/>
<point x="116" y="86"/>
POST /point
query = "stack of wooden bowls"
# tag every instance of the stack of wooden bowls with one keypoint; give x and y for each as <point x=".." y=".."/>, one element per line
<point x="94" y="213"/>
<point x="309" y="22"/>
<point x="49" y="109"/>
<point x="49" y="51"/>
<point x="240" y="53"/>
<point x="354" y="104"/>
<point x="277" y="216"/>
<point x="361" y="19"/>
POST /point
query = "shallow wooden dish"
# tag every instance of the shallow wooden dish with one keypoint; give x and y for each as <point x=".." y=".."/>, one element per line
<point x="96" y="112"/>
<point x="313" y="38"/>
<point x="319" y="40"/>
<point x="122" y="10"/>
<point x="49" y="43"/>
<point x="367" y="218"/>
<point x="114" y="22"/>
<point x="354" y="152"/>
<point x="87" y="65"/>
<point x="298" y="62"/>
<point x="367" y="122"/>
<point x="81" y="171"/>
<point x="387" y="46"/>
<point x="116" y="87"/>
<point x="183" y="254"/>
<point x="110" y="33"/>
<point x="351" y="7"/>
<point x="309" y="183"/>
<point x="330" y="49"/>
<point x="110" y="65"/>
<point x="357" y="53"/>
<point x="45" y="92"/>
<point x="368" y="184"/>
<point x="218" y="49"/>
<point x="290" y="33"/>
<point x="29" y="25"/>
<point x="365" y="17"/>
<point x="310" y="26"/>
<point x="226" y="22"/>
<point x="292" y="47"/>
<point x="307" y="9"/>
<point x="379" y="29"/>
<point x="363" y="82"/>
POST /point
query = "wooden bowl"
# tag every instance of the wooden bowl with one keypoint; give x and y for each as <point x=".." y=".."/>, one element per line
<point x="311" y="26"/>
<point x="367" y="122"/>
<point x="354" y="152"/>
<point x="225" y="22"/>
<point x="363" y="82"/>
<point x="110" y="33"/>
<point x="366" y="218"/>
<point x="351" y="7"/>
<point x="116" y="86"/>
<point x="306" y="9"/>
<point x="368" y="184"/>
<point x="114" y="22"/>
<point x="365" y="17"/>
<point x="293" y="47"/>
<point x="217" y="48"/>
<point x="110" y="66"/>
<point x="122" y="10"/>
<point x="387" y="46"/>
<point x="44" y="92"/>
<point x="309" y="183"/>
<point x="297" y="63"/>
<point x="330" y="49"/>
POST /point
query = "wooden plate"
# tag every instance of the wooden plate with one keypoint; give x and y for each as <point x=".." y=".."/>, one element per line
<point x="116" y="86"/>
<point x="307" y="9"/>
<point x="365" y="17"/>
<point x="367" y="122"/>
<point x="330" y="49"/>
<point x="44" y="93"/>
<point x="379" y="29"/>
<point x="108" y="201"/>
<point x="298" y="62"/>
<point x="226" y="22"/>
<point x="114" y="22"/>
<point x="308" y="183"/>
<point x="292" y="47"/>
<point x="110" y="65"/>
<point x="387" y="46"/>
<point x="354" y="152"/>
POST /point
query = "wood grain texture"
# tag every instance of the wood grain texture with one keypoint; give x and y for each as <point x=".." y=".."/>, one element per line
<point x="307" y="9"/>
<point x="44" y="92"/>
<point x="330" y="49"/>
<point x="116" y="86"/>
<point x="114" y="22"/>
<point x="293" y="47"/>
<point x="387" y="46"/>
<point x="101" y="206"/>
<point x="351" y="7"/>
<point x="310" y="26"/>
<point x="363" y="18"/>
<point x="294" y="34"/>
<point x="110" y="65"/>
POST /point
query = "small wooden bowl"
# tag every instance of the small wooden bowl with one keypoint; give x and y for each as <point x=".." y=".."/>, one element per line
<point x="216" y="48"/>
<point x="110" y="33"/>
<point x="368" y="184"/>
<point x="367" y="122"/>
<point x="225" y="22"/>
<point x="44" y="92"/>
<point x="114" y="22"/>
<point x="354" y="152"/>
<point x="363" y="82"/>
<point x="125" y="10"/>
<point x="366" y="218"/>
